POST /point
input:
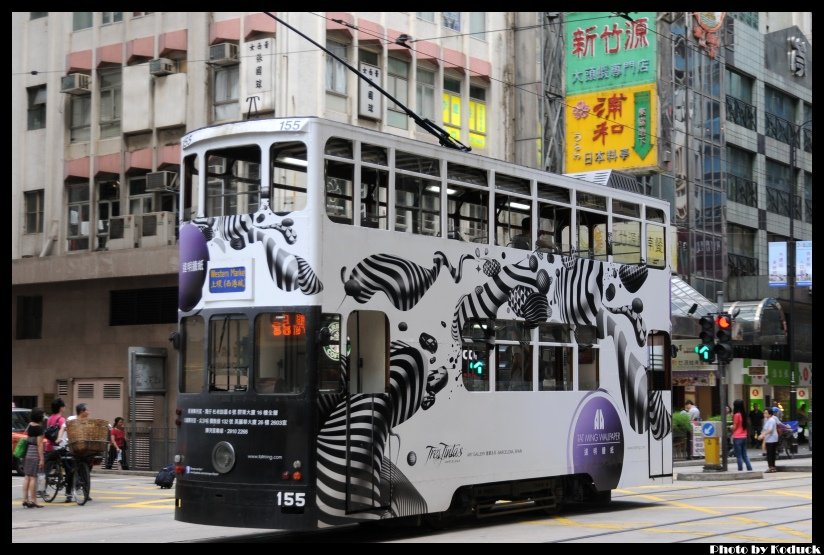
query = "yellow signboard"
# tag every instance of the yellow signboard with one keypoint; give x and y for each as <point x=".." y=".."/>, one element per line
<point x="612" y="130"/>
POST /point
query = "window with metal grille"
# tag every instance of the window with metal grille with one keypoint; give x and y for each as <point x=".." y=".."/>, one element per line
<point x="63" y="388"/>
<point x="135" y="307"/>
<point x="144" y="408"/>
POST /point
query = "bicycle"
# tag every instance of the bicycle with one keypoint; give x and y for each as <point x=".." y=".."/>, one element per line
<point x="56" y="477"/>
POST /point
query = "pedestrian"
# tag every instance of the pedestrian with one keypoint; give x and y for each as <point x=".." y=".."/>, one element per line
<point x="118" y="444"/>
<point x="54" y="452"/>
<point x="802" y="423"/>
<point x="770" y="435"/>
<point x="692" y="410"/>
<point x="35" y="460"/>
<point x="739" y="434"/>
<point x="756" y="419"/>
<point x="80" y="411"/>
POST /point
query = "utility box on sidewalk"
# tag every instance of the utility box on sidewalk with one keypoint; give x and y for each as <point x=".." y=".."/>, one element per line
<point x="712" y="445"/>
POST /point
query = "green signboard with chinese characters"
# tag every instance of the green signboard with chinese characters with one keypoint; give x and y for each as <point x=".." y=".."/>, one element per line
<point x="608" y="51"/>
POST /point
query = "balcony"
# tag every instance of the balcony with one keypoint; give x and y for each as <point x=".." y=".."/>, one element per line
<point x="740" y="113"/>
<point x="742" y="190"/>
<point x="781" y="129"/>
<point x="778" y="202"/>
<point x="741" y="265"/>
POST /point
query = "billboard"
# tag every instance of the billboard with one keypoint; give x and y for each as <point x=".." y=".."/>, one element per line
<point x="613" y="129"/>
<point x="778" y="264"/>
<point x="804" y="263"/>
<point x="607" y="51"/>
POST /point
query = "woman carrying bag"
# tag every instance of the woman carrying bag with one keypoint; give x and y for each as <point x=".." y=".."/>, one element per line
<point x="35" y="459"/>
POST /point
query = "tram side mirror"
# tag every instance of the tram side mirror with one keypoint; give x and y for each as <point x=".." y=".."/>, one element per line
<point x="174" y="339"/>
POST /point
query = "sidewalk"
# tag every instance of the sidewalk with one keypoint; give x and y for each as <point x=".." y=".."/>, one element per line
<point x="694" y="469"/>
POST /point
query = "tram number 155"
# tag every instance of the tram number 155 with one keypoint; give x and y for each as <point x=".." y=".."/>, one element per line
<point x="291" y="499"/>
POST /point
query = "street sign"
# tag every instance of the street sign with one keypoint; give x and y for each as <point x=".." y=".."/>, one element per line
<point x="708" y="429"/>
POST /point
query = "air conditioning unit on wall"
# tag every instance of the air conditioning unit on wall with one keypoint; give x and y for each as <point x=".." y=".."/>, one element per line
<point x="224" y="53"/>
<point x="76" y="83"/>
<point x="162" y="66"/>
<point x="161" y="182"/>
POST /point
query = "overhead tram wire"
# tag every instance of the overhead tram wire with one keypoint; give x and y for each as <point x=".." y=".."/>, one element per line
<point x="444" y="138"/>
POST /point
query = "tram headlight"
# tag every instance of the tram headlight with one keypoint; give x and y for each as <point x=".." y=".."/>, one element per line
<point x="223" y="457"/>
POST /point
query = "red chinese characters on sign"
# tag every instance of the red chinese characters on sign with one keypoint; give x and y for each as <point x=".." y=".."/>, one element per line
<point x="608" y="108"/>
<point x="583" y="40"/>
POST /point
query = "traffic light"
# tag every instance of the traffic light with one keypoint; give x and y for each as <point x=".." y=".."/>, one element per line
<point x="706" y="349"/>
<point x="724" y="335"/>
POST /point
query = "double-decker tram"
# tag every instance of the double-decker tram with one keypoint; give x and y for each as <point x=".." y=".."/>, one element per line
<point x="374" y="327"/>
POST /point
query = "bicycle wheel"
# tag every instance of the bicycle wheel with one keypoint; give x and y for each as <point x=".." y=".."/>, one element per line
<point x="82" y="482"/>
<point x="54" y="481"/>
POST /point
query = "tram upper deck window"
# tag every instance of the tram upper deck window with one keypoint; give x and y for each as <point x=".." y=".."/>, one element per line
<point x="466" y="174"/>
<point x="467" y="213"/>
<point x="190" y="186"/>
<point x="288" y="163"/>
<point x="656" y="246"/>
<point x="280" y="352"/>
<point x="417" y="205"/>
<point x="592" y="226"/>
<point x="626" y="241"/>
<point x="374" y="187"/>
<point x="554" y="219"/>
<point x="229" y="353"/>
<point x="233" y="181"/>
<point x="192" y="331"/>
<point x="513" y="213"/>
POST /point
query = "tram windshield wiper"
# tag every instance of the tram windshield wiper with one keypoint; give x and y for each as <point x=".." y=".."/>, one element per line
<point x="444" y="138"/>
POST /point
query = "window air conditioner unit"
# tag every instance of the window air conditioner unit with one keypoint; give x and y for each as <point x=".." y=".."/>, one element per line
<point x="75" y="83"/>
<point x="124" y="232"/>
<point x="161" y="66"/>
<point x="161" y="182"/>
<point x="158" y="229"/>
<point x="223" y="54"/>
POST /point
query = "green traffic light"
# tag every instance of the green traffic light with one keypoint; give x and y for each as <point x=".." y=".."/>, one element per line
<point x="704" y="352"/>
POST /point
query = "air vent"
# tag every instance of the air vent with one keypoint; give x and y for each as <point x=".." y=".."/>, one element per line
<point x="75" y="83"/>
<point x="223" y="54"/>
<point x="162" y="66"/>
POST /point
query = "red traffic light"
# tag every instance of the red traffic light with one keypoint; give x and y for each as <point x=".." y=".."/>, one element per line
<point x="724" y="321"/>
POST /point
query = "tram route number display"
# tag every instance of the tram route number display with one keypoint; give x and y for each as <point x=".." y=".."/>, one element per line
<point x="291" y="499"/>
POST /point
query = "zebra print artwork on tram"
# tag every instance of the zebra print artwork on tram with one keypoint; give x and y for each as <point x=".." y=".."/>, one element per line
<point x="364" y="471"/>
<point x="288" y="271"/>
<point x="403" y="281"/>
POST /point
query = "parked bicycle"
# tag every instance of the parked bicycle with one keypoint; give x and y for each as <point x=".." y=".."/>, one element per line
<point x="788" y="439"/>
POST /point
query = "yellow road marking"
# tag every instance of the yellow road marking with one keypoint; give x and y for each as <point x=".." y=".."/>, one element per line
<point x="163" y="504"/>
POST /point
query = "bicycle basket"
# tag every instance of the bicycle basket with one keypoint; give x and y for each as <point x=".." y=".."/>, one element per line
<point x="87" y="436"/>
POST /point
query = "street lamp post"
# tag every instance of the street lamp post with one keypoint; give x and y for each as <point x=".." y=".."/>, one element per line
<point x="791" y="270"/>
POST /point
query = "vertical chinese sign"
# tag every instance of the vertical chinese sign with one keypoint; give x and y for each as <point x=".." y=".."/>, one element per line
<point x="370" y="103"/>
<point x="611" y="97"/>
<point x="257" y="59"/>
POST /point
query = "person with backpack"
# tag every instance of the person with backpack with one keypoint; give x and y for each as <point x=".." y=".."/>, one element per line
<point x="55" y="443"/>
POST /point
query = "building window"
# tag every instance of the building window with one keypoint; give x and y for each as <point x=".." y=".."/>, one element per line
<point x="336" y="71"/>
<point x="452" y="107"/>
<point x="140" y="202"/>
<point x="426" y="16"/>
<point x="140" y="14"/>
<point x="748" y="18"/>
<point x="34" y="211"/>
<point x="77" y="232"/>
<point x="477" y="25"/>
<point x="37" y="15"/>
<point x="425" y="88"/>
<point x="452" y="20"/>
<point x="140" y="307"/>
<point x="477" y="117"/>
<point x="111" y="88"/>
<point x="226" y="92"/>
<point x="108" y="206"/>
<point x="739" y="86"/>
<point x="29" y="317"/>
<point x="112" y="17"/>
<point x="81" y="20"/>
<point x="37" y="107"/>
<point x="81" y="118"/>
<point x="397" y="84"/>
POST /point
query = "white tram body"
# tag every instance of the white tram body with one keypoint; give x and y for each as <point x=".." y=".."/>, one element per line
<point x="422" y="411"/>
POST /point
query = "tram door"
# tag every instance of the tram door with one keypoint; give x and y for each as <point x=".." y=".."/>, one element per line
<point x="367" y="416"/>
<point x="660" y="405"/>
